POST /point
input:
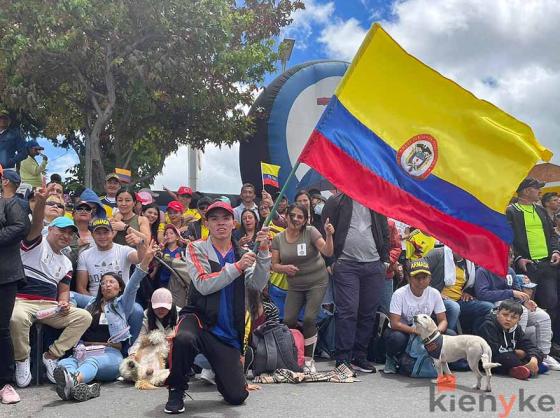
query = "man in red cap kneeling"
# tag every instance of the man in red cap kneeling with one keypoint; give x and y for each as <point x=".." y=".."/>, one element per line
<point x="213" y="321"/>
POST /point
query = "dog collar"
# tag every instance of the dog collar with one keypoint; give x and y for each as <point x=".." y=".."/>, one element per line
<point x="431" y="337"/>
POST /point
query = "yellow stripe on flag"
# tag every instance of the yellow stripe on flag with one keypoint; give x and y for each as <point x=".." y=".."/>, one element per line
<point x="271" y="169"/>
<point x="481" y="148"/>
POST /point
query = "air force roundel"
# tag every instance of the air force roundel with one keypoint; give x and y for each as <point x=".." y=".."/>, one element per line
<point x="286" y="113"/>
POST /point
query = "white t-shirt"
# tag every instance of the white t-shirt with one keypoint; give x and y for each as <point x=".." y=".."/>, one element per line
<point x="44" y="270"/>
<point x="405" y="304"/>
<point x="97" y="263"/>
<point x="238" y="210"/>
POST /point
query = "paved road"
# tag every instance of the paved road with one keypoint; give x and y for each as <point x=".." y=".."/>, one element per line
<point x="376" y="395"/>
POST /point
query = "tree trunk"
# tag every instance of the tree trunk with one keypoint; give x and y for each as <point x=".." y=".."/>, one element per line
<point x="103" y="116"/>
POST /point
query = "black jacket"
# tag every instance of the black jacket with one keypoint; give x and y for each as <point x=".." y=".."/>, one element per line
<point x="517" y="221"/>
<point x="503" y="342"/>
<point x="206" y="307"/>
<point x="338" y="210"/>
<point x="14" y="226"/>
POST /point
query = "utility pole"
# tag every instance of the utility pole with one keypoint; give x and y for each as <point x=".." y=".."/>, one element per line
<point x="193" y="167"/>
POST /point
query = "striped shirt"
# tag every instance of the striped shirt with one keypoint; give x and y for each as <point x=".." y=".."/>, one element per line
<point x="44" y="270"/>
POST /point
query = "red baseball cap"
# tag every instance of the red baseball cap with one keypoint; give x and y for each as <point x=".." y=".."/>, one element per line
<point x="173" y="227"/>
<point x="219" y="205"/>
<point x="176" y="206"/>
<point x="184" y="190"/>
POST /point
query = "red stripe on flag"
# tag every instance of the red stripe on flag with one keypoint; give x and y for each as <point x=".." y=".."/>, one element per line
<point x="482" y="246"/>
<point x="270" y="182"/>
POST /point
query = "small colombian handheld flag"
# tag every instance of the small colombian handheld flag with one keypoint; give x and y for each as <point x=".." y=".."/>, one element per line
<point x="270" y="174"/>
<point x="407" y="142"/>
<point x="124" y="175"/>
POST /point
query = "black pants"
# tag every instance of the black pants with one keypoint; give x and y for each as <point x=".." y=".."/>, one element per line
<point x="192" y="339"/>
<point x="508" y="361"/>
<point x="358" y="288"/>
<point x="7" y="301"/>
<point x="547" y="291"/>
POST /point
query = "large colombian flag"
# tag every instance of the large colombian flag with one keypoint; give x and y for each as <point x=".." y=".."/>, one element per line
<point x="405" y="141"/>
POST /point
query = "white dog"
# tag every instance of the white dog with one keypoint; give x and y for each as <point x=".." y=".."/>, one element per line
<point x="147" y="368"/>
<point x="446" y="348"/>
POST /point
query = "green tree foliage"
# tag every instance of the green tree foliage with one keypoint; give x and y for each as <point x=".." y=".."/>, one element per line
<point x="137" y="78"/>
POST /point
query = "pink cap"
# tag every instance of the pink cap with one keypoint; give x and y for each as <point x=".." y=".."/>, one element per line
<point x="162" y="298"/>
<point x="145" y="198"/>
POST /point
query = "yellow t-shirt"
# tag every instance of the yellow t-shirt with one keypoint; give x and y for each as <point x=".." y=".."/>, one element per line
<point x="203" y="231"/>
<point x="189" y="212"/>
<point x="455" y="291"/>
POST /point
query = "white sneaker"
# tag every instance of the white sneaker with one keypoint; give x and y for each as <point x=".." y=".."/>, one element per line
<point x="208" y="376"/>
<point x="50" y="365"/>
<point x="23" y="373"/>
<point x="309" y="366"/>
<point x="552" y="363"/>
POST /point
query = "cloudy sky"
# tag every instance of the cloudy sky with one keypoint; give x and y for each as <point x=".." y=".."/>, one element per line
<point x="504" y="51"/>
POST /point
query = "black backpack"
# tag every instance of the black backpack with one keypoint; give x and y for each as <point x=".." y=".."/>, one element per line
<point x="274" y="349"/>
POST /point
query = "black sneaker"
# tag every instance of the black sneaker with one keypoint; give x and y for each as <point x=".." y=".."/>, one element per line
<point x="348" y="367"/>
<point x="363" y="365"/>
<point x="175" y="404"/>
<point x="83" y="392"/>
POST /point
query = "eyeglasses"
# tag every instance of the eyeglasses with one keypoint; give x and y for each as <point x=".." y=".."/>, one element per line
<point x="84" y="209"/>
<point x="58" y="205"/>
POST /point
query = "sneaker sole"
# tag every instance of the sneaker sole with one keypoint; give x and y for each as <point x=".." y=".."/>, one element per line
<point x="358" y="368"/>
<point x="84" y="392"/>
<point x="60" y="378"/>
<point x="167" y="411"/>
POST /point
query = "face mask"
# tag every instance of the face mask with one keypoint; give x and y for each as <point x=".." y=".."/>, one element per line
<point x="319" y="208"/>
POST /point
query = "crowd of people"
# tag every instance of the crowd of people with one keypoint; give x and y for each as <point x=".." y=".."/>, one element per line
<point x="100" y="274"/>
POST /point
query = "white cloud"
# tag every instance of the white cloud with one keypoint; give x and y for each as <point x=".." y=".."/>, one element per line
<point x="301" y="27"/>
<point x="61" y="163"/>
<point x="505" y="51"/>
<point x="219" y="174"/>
<point x="342" y="38"/>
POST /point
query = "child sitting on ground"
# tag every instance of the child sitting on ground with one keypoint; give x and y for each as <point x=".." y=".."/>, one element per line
<point x="516" y="353"/>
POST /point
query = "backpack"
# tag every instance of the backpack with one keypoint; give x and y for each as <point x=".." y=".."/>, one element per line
<point x="415" y="361"/>
<point x="300" y="345"/>
<point x="274" y="349"/>
<point x="376" y="347"/>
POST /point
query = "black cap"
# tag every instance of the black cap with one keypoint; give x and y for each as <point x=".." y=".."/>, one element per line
<point x="530" y="182"/>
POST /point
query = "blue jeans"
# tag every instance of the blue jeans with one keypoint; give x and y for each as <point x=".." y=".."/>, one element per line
<point x="104" y="367"/>
<point x="472" y="313"/>
<point x="386" y="297"/>
<point x="201" y="361"/>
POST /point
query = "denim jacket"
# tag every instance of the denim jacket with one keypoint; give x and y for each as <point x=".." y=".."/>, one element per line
<point x="13" y="148"/>
<point x="117" y="310"/>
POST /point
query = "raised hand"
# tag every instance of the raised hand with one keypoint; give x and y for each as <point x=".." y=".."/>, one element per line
<point x="329" y="228"/>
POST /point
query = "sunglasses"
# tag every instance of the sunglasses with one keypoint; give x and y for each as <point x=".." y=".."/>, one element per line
<point x="83" y="209"/>
<point x="58" y="205"/>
